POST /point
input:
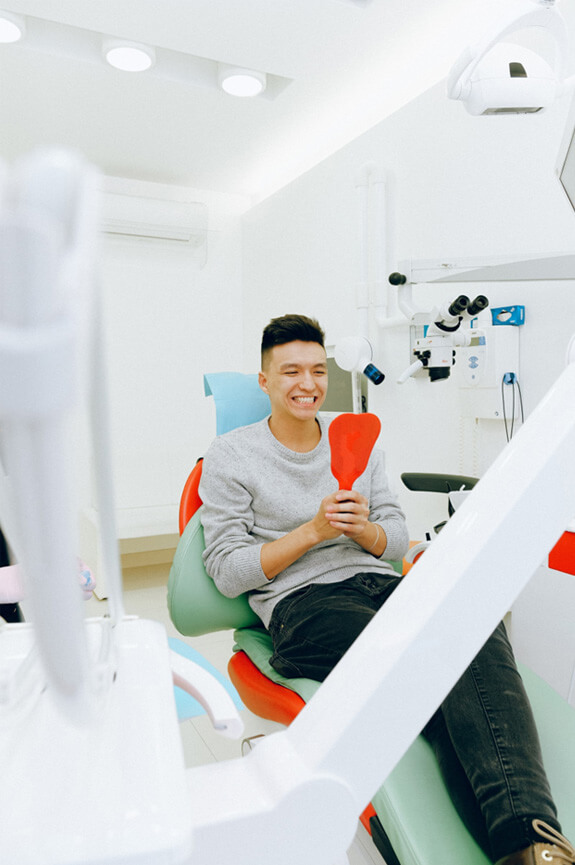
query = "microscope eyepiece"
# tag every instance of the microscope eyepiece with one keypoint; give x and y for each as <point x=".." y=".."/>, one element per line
<point x="478" y="304"/>
<point x="459" y="305"/>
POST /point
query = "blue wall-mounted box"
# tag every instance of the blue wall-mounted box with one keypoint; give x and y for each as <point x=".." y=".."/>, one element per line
<point x="508" y="315"/>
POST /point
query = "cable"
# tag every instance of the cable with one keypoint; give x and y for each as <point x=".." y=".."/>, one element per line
<point x="511" y="378"/>
<point x="520" y="400"/>
<point x="503" y="406"/>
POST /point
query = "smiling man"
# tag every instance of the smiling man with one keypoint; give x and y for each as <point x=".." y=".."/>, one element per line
<point x="311" y="558"/>
<point x="274" y="520"/>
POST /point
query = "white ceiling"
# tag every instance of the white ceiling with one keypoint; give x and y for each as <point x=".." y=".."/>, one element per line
<point x="351" y="63"/>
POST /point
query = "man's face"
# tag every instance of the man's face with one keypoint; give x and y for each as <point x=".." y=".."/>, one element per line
<point x="295" y="379"/>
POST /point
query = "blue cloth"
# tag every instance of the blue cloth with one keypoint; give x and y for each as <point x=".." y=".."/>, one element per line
<point x="186" y="705"/>
<point x="238" y="397"/>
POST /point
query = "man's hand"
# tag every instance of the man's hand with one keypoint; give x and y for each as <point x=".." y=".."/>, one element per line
<point x="345" y="512"/>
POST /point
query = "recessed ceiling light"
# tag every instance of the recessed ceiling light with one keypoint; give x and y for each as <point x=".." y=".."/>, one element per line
<point x="129" y="56"/>
<point x="241" y="82"/>
<point x="11" y="27"/>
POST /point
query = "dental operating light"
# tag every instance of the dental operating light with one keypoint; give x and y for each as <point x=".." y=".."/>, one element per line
<point x="495" y="77"/>
<point x="354" y="354"/>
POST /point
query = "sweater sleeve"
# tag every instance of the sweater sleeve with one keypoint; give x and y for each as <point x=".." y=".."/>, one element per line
<point x="385" y="510"/>
<point x="232" y="554"/>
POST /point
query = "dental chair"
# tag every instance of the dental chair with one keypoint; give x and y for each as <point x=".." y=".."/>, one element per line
<point x="411" y="818"/>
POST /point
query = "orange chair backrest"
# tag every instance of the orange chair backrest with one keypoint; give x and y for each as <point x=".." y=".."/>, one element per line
<point x="190" y="499"/>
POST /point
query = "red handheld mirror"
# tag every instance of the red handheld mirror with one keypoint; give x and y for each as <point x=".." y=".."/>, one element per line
<point x="351" y="438"/>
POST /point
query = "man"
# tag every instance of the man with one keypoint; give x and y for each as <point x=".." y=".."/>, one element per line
<point x="312" y="560"/>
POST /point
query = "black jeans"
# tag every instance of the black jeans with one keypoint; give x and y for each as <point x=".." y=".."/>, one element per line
<point x="483" y="734"/>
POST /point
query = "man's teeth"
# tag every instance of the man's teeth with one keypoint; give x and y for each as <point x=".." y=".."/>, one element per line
<point x="305" y="399"/>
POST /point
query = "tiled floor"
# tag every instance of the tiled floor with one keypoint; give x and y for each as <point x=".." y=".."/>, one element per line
<point x="145" y="596"/>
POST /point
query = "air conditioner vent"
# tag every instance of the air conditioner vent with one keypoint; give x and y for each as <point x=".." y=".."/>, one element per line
<point x="184" y="223"/>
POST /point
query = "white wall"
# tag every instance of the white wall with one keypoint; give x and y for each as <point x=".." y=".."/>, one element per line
<point x="167" y="321"/>
<point x="460" y="187"/>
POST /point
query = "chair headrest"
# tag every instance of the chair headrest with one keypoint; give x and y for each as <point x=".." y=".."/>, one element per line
<point x="238" y="397"/>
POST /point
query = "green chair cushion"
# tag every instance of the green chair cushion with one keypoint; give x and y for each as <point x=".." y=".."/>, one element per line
<point x="257" y="644"/>
<point x="424" y="835"/>
<point x="556" y="724"/>
<point x="196" y="606"/>
<point x="417" y="813"/>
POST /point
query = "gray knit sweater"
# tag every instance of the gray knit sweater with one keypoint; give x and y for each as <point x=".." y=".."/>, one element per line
<point x="255" y="490"/>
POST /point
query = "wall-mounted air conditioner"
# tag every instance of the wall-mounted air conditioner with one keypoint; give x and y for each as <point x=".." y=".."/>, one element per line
<point x="183" y="223"/>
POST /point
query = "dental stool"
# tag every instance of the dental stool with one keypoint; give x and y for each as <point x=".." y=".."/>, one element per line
<point x="411" y="817"/>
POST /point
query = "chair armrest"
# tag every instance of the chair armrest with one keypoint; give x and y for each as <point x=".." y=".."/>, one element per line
<point x="437" y="483"/>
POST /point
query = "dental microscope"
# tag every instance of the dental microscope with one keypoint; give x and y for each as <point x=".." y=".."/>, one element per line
<point x="435" y="351"/>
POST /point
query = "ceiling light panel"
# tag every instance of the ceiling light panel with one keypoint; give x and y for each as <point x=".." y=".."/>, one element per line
<point x="77" y="43"/>
<point x="241" y="82"/>
<point x="128" y="56"/>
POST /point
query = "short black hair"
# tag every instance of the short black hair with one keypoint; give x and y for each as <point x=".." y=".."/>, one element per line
<point x="288" y="328"/>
